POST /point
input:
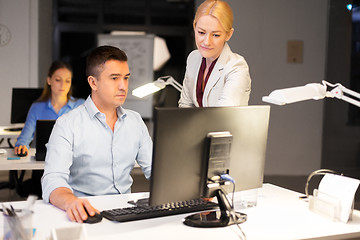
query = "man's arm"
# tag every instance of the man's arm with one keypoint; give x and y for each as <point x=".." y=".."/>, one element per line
<point x="64" y="199"/>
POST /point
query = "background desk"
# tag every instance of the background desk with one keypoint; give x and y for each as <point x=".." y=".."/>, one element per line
<point x="9" y="134"/>
<point x="279" y="215"/>
<point x="24" y="163"/>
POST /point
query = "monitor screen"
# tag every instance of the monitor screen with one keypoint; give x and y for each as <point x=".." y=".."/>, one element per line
<point x="42" y="135"/>
<point x="180" y="149"/>
<point x="21" y="100"/>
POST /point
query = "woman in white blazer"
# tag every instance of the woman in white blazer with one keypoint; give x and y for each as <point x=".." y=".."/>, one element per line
<point x="215" y="76"/>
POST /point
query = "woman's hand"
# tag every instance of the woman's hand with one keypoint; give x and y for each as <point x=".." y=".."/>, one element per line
<point x="22" y="149"/>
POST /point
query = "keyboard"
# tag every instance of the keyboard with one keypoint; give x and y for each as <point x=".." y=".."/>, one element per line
<point x="13" y="129"/>
<point x="146" y="212"/>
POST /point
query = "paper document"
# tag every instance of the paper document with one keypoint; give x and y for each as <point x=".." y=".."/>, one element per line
<point x="342" y="188"/>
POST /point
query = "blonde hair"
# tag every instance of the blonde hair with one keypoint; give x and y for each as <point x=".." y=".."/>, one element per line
<point x="218" y="9"/>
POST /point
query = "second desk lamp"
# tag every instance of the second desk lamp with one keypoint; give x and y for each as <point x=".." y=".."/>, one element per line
<point x="155" y="86"/>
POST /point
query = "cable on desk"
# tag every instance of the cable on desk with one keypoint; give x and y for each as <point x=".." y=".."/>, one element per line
<point x="227" y="177"/>
<point x="317" y="172"/>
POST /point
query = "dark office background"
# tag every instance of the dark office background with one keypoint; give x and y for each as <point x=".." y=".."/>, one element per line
<point x="76" y="24"/>
<point x="354" y="112"/>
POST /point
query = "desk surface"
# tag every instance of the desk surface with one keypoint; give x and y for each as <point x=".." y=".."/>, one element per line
<point x="24" y="163"/>
<point x="279" y="215"/>
<point x="10" y="134"/>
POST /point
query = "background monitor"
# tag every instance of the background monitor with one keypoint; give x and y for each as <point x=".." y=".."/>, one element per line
<point x="179" y="149"/>
<point x="21" y="100"/>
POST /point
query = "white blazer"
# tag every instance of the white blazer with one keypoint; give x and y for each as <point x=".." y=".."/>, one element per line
<point x="229" y="83"/>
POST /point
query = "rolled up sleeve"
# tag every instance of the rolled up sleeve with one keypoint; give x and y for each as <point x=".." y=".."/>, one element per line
<point x="58" y="159"/>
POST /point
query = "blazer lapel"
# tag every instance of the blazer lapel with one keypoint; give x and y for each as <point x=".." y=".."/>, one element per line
<point x="216" y="72"/>
<point x="196" y="67"/>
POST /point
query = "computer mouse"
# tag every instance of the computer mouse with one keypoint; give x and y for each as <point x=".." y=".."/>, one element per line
<point x="22" y="154"/>
<point x="93" y="219"/>
<point x="2" y="151"/>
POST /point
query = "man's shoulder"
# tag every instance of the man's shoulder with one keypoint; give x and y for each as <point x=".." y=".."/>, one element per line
<point x="131" y="113"/>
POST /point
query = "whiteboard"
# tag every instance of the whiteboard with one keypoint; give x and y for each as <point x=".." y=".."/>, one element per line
<point x="139" y="50"/>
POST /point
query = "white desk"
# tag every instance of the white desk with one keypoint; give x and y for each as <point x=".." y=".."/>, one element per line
<point x="279" y="215"/>
<point x="24" y="163"/>
<point x="10" y="134"/>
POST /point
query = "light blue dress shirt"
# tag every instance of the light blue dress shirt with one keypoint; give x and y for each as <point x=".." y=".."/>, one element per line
<point x="86" y="156"/>
<point x="42" y="111"/>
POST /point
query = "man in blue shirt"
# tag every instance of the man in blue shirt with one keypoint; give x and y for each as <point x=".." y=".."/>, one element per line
<point x="93" y="148"/>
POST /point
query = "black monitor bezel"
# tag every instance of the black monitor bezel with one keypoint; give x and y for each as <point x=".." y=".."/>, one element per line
<point x="21" y="101"/>
<point x="186" y="183"/>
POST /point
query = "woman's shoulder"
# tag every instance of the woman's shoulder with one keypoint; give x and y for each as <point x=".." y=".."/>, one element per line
<point x="194" y="56"/>
<point x="79" y="100"/>
<point x="75" y="102"/>
<point x="229" y="58"/>
<point x="38" y="104"/>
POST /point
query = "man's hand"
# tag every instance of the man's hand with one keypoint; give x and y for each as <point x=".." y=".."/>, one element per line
<point x="75" y="207"/>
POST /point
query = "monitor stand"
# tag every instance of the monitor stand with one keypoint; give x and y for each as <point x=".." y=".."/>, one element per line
<point x="142" y="202"/>
<point x="221" y="218"/>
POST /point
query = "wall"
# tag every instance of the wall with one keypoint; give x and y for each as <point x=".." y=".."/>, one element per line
<point x="21" y="59"/>
<point x="262" y="29"/>
<point x="15" y="57"/>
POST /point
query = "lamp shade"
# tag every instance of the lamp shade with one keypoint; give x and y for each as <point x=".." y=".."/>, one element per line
<point x="284" y="96"/>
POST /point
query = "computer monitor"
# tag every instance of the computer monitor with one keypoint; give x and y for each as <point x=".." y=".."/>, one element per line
<point x="21" y="100"/>
<point x="180" y="143"/>
<point x="42" y="135"/>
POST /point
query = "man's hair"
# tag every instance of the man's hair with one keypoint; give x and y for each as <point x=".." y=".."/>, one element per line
<point x="97" y="58"/>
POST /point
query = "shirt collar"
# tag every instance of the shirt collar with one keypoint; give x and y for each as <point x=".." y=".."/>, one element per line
<point x="93" y="110"/>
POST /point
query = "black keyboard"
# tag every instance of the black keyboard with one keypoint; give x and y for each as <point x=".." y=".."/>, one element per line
<point x="13" y="129"/>
<point x="145" y="212"/>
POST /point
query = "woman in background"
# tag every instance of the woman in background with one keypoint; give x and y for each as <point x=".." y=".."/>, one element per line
<point x="54" y="101"/>
<point x="215" y="76"/>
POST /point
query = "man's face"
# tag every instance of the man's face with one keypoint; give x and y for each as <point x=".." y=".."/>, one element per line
<point x="111" y="87"/>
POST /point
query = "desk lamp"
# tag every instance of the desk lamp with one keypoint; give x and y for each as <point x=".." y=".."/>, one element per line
<point x="155" y="86"/>
<point x="314" y="91"/>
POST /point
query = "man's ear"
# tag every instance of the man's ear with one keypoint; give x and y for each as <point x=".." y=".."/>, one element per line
<point x="92" y="82"/>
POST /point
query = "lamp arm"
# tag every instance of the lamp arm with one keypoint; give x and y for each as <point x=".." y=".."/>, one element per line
<point x="339" y="91"/>
<point x="176" y="85"/>
<point x="169" y="80"/>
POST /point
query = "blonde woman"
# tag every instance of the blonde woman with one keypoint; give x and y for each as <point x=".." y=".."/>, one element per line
<point x="215" y="76"/>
